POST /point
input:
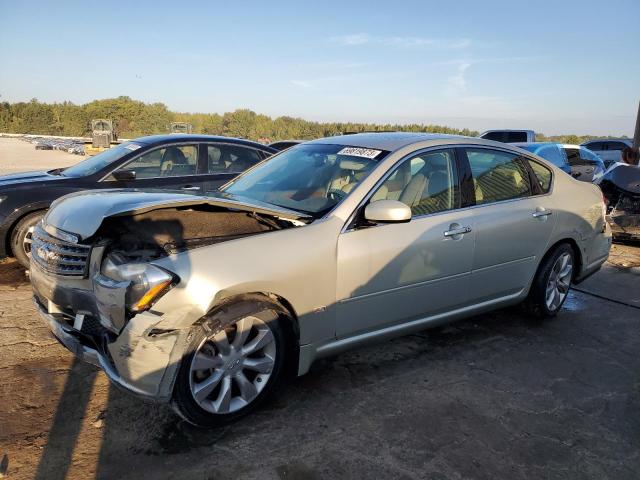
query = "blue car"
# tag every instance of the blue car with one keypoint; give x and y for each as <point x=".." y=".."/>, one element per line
<point x="553" y="152"/>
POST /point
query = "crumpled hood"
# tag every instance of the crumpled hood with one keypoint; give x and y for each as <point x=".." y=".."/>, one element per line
<point x="38" y="176"/>
<point x="625" y="177"/>
<point x="82" y="213"/>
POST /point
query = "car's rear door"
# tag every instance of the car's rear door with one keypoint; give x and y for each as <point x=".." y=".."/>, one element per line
<point x="393" y="273"/>
<point x="224" y="161"/>
<point x="167" y="167"/>
<point x="513" y="220"/>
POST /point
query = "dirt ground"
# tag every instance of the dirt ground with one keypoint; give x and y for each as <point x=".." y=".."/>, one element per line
<point x="497" y="396"/>
<point x="19" y="156"/>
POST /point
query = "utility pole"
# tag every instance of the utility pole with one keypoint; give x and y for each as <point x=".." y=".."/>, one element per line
<point x="636" y="135"/>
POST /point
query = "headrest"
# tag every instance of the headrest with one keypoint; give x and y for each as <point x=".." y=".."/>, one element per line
<point x="352" y="165"/>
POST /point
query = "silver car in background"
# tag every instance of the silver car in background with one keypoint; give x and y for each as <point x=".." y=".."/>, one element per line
<point x="209" y="301"/>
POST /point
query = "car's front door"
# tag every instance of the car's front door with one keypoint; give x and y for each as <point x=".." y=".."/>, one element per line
<point x="513" y="220"/>
<point x="167" y="167"/>
<point x="392" y="273"/>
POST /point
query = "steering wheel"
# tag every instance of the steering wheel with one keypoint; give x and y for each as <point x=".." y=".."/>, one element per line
<point x="336" y="194"/>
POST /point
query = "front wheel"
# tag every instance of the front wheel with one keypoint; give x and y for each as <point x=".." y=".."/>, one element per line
<point x="552" y="282"/>
<point x="229" y="369"/>
<point x="22" y="236"/>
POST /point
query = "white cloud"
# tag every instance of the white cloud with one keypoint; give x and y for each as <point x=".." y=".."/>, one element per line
<point x="352" y="39"/>
<point x="457" y="83"/>
<point x="301" y="83"/>
<point x="357" y="39"/>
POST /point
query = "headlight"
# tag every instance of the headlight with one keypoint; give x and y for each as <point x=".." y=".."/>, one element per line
<point x="148" y="282"/>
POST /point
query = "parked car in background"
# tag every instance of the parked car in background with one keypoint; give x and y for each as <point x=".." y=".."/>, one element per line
<point x="190" y="163"/>
<point x="608" y="149"/>
<point x="586" y="166"/>
<point x="331" y="244"/>
<point x="552" y="152"/>
<point x="509" y="136"/>
<point x="284" y="144"/>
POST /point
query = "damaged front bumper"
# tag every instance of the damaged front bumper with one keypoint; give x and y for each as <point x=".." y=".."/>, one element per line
<point x="142" y="356"/>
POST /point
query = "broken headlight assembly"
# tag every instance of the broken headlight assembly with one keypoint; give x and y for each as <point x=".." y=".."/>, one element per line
<point x="147" y="282"/>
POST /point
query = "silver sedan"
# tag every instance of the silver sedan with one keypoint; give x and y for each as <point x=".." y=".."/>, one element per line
<point x="209" y="301"/>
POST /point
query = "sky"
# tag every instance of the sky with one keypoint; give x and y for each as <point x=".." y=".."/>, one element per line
<point x="560" y="66"/>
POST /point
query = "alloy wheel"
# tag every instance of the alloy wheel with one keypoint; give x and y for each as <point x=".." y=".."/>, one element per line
<point x="230" y="368"/>
<point x="27" y="241"/>
<point x="559" y="281"/>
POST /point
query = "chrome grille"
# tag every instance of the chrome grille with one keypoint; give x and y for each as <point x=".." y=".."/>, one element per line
<point x="58" y="256"/>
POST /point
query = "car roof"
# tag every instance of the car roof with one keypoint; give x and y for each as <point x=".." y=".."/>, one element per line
<point x="536" y="144"/>
<point x="624" y="140"/>
<point x="392" y="141"/>
<point x="194" y="137"/>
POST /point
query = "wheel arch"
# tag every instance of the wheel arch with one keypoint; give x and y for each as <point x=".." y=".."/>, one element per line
<point x="577" y="253"/>
<point x="17" y="217"/>
<point x="236" y="306"/>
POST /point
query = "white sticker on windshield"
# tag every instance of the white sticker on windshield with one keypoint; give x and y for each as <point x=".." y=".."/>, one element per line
<point x="132" y="146"/>
<point x="359" y="152"/>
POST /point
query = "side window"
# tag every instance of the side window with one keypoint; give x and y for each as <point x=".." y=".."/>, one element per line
<point x="170" y="161"/>
<point x="498" y="175"/>
<point x="573" y="156"/>
<point x="616" y="146"/>
<point x="231" y="158"/>
<point x="427" y="183"/>
<point x="542" y="174"/>
<point x="597" y="146"/>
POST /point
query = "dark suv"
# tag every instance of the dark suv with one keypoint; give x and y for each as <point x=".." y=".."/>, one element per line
<point x="194" y="163"/>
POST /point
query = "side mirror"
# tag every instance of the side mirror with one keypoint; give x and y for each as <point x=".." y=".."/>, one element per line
<point x="387" y="211"/>
<point x="124" y="175"/>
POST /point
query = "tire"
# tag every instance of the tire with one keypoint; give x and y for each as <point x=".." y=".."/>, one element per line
<point x="21" y="237"/>
<point x="552" y="282"/>
<point x="241" y="382"/>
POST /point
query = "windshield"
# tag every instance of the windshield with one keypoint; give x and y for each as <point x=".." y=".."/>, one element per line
<point x="311" y="178"/>
<point x="96" y="163"/>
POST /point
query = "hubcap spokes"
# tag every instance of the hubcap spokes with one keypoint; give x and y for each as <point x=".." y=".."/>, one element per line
<point x="230" y="368"/>
<point x="27" y="241"/>
<point x="559" y="281"/>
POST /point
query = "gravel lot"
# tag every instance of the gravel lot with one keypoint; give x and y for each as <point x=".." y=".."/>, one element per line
<point x="19" y="156"/>
<point x="497" y="396"/>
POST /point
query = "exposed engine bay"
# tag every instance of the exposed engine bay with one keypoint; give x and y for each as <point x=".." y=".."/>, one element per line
<point x="157" y="233"/>
<point x="621" y="188"/>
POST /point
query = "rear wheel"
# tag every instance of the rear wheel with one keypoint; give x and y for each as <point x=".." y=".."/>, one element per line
<point x="552" y="282"/>
<point x="227" y="371"/>
<point x="22" y="236"/>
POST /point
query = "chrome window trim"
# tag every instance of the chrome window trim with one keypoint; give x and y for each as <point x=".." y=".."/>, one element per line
<point x="392" y="169"/>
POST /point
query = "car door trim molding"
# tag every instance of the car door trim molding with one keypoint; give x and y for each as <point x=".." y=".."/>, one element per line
<point x="403" y="328"/>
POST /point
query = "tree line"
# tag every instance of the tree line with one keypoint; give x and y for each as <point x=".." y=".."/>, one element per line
<point x="133" y="118"/>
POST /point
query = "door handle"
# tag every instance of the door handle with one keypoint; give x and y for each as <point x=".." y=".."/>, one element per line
<point x="541" y="213"/>
<point x="457" y="231"/>
<point x="190" y="188"/>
